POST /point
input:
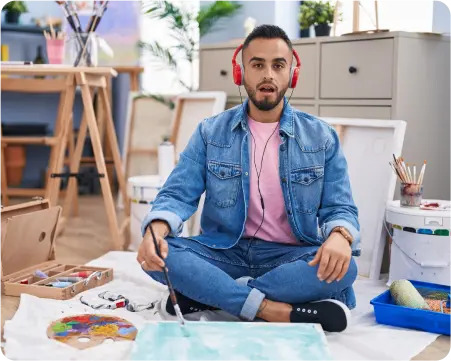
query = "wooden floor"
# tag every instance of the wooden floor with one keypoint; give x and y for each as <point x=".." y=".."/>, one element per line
<point x="87" y="237"/>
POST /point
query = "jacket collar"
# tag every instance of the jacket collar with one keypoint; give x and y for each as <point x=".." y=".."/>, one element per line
<point x="286" y="120"/>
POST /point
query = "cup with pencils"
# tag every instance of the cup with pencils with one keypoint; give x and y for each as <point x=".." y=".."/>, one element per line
<point x="55" y="45"/>
<point x="411" y="186"/>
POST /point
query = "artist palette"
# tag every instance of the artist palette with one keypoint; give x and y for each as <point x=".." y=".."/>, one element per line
<point x="88" y="330"/>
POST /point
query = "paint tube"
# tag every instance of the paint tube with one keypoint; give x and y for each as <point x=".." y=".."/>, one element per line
<point x="119" y="302"/>
<point x="40" y="274"/>
<point x="59" y="284"/>
<point x="82" y="274"/>
<point x="70" y="279"/>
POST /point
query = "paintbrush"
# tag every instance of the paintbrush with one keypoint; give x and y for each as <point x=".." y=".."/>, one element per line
<point x="94" y="24"/>
<point x="68" y="15"/>
<point x="74" y="22"/>
<point x="168" y="282"/>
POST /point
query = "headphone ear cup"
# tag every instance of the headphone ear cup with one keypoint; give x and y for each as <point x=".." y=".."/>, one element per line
<point x="237" y="74"/>
<point x="294" y="77"/>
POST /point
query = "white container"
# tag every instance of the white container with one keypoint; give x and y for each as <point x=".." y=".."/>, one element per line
<point x="416" y="255"/>
<point x="166" y="160"/>
<point x="142" y="191"/>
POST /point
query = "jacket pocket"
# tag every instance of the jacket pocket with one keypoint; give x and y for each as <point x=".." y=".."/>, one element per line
<point x="306" y="185"/>
<point x="223" y="183"/>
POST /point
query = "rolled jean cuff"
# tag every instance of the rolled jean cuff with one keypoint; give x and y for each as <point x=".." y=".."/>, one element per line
<point x="252" y="304"/>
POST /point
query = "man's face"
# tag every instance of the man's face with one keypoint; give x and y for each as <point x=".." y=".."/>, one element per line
<point x="267" y="64"/>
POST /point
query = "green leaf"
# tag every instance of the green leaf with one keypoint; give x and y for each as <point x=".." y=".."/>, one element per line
<point x="209" y="15"/>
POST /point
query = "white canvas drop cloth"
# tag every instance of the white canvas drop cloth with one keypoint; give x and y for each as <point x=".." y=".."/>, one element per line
<point x="26" y="337"/>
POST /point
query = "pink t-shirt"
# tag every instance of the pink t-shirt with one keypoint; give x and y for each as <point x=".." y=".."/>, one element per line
<point x="275" y="227"/>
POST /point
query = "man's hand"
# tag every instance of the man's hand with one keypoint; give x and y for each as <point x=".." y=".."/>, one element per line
<point x="333" y="257"/>
<point x="147" y="256"/>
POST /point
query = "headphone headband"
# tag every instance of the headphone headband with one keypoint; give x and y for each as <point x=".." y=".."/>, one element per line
<point x="238" y="71"/>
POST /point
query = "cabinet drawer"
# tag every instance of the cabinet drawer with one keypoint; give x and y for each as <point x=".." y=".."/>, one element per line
<point x="357" y="69"/>
<point x="306" y="87"/>
<point x="216" y="71"/>
<point x="306" y="108"/>
<point x="355" y="111"/>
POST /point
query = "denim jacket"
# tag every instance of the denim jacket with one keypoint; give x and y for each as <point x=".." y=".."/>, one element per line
<point x="312" y="170"/>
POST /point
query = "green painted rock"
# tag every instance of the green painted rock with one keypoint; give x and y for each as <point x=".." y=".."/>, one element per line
<point x="405" y="294"/>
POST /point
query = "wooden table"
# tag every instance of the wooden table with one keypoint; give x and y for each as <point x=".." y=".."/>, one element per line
<point x="89" y="80"/>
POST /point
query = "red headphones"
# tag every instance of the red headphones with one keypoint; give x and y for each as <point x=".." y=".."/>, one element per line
<point x="238" y="70"/>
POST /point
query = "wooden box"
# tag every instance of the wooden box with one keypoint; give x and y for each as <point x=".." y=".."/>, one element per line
<point x="28" y="232"/>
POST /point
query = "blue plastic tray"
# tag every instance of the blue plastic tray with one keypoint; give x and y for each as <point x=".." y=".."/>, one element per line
<point x="388" y="313"/>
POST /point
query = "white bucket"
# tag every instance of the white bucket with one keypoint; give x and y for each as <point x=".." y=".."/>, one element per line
<point x="142" y="191"/>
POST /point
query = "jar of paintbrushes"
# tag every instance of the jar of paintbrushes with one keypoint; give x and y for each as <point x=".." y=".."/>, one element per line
<point x="411" y="187"/>
<point x="83" y="49"/>
<point x="82" y="43"/>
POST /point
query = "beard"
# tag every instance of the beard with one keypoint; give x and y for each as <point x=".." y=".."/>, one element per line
<point x="265" y="104"/>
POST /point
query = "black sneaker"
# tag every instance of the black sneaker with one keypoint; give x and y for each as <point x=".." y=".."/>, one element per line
<point x="333" y="315"/>
<point x="187" y="305"/>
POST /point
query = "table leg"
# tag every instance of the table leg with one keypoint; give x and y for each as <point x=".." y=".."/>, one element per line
<point x="100" y="160"/>
<point x="112" y="142"/>
<point x="57" y="162"/>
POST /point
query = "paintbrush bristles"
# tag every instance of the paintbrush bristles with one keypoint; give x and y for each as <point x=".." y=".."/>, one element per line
<point x="404" y="172"/>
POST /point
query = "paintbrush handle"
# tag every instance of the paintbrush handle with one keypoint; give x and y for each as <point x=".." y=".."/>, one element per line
<point x="168" y="282"/>
<point x="165" y="270"/>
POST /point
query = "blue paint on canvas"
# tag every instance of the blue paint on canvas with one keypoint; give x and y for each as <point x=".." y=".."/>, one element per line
<point x="231" y="340"/>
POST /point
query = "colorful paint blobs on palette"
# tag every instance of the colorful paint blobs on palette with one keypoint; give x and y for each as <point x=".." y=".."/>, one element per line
<point x="96" y="328"/>
<point x="231" y="340"/>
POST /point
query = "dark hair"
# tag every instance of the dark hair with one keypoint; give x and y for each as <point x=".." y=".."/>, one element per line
<point x="267" y="32"/>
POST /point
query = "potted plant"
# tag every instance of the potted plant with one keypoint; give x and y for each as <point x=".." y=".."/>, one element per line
<point x="13" y="10"/>
<point x="306" y="18"/>
<point x="321" y="14"/>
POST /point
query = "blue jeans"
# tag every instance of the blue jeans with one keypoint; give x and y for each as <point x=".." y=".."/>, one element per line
<point x="237" y="279"/>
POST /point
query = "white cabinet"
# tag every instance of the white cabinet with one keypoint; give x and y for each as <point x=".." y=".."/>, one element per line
<point x="392" y="75"/>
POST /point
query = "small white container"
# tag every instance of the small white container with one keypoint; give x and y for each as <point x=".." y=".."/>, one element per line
<point x="417" y="252"/>
<point x="142" y="191"/>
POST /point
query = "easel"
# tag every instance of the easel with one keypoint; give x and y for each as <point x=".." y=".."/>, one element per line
<point x="356" y="20"/>
<point x="88" y="80"/>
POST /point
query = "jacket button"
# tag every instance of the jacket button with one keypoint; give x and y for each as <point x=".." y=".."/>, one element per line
<point x="289" y="211"/>
<point x="222" y="173"/>
<point x="284" y="180"/>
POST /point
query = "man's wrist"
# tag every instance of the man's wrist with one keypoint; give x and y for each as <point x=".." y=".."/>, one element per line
<point x="160" y="221"/>
<point x="344" y="233"/>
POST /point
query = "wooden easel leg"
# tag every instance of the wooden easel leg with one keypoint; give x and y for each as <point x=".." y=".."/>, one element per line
<point x="72" y="187"/>
<point x="112" y="142"/>
<point x="5" y="198"/>
<point x="100" y="160"/>
<point x="107" y="146"/>
<point x="74" y="192"/>
<point x="57" y="161"/>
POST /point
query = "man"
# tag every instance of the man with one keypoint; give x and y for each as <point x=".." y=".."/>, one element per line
<point x="279" y="225"/>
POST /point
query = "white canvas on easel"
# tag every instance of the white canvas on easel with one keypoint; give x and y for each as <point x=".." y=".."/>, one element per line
<point x="148" y="121"/>
<point x="190" y="110"/>
<point x="368" y="145"/>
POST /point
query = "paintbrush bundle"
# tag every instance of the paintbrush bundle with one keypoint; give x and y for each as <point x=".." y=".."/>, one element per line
<point x="28" y="255"/>
<point x="406" y="174"/>
<point x="83" y="36"/>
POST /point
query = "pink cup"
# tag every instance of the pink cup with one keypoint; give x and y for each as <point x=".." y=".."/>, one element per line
<point x="55" y="51"/>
